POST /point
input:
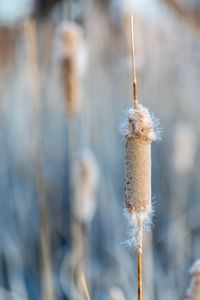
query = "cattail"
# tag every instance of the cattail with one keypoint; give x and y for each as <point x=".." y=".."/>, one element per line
<point x="70" y="52"/>
<point x="184" y="148"/>
<point x="193" y="292"/>
<point x="183" y="159"/>
<point x="139" y="132"/>
<point x="85" y="181"/>
<point x="84" y="186"/>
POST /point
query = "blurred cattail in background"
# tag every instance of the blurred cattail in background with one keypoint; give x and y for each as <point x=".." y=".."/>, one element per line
<point x="71" y="55"/>
<point x="85" y="181"/>
<point x="193" y="292"/>
<point x="85" y="175"/>
<point x="184" y="147"/>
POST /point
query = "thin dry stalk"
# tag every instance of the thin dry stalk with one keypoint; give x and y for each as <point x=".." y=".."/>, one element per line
<point x="139" y="254"/>
<point x="7" y="47"/>
<point x="85" y="287"/>
<point x="30" y="31"/>
<point x="31" y="44"/>
<point x="127" y="13"/>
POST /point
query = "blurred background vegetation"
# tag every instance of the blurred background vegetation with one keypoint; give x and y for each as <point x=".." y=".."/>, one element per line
<point x="61" y="157"/>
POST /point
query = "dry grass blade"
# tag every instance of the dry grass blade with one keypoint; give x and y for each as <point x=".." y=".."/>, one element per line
<point x="85" y="287"/>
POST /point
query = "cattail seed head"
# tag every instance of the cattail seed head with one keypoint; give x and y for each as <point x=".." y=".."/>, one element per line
<point x="139" y="132"/>
<point x="85" y="181"/>
<point x="70" y="52"/>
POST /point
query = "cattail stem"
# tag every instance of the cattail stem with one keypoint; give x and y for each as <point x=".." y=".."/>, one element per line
<point x="30" y="30"/>
<point x="139" y="257"/>
<point x="135" y="101"/>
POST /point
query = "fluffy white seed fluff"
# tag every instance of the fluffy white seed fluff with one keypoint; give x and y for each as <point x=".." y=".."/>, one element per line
<point x="85" y="182"/>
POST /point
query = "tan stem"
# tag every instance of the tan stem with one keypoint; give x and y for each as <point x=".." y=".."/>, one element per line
<point x="139" y="256"/>
<point x="30" y="30"/>
<point x="135" y="103"/>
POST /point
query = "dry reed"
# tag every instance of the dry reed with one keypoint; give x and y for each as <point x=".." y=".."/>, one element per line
<point x="30" y="30"/>
<point x="85" y="287"/>
<point x="7" y="46"/>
